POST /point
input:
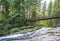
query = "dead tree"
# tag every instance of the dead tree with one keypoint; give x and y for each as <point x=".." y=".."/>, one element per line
<point x="56" y="16"/>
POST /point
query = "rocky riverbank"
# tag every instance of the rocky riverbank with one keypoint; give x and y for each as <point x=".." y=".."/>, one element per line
<point x="50" y="34"/>
<point x="43" y="34"/>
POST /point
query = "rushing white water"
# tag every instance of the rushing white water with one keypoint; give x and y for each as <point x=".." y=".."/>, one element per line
<point x="43" y="34"/>
<point x="12" y="36"/>
<point x="31" y="34"/>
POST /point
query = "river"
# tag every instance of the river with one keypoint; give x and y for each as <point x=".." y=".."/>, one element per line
<point x="43" y="34"/>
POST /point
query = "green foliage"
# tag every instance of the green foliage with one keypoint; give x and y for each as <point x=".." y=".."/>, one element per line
<point x="56" y="10"/>
<point x="50" y="8"/>
<point x="43" y="14"/>
<point x="14" y="14"/>
<point x="44" y="9"/>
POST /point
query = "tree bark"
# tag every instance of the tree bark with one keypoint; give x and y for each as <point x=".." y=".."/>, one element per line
<point x="33" y="20"/>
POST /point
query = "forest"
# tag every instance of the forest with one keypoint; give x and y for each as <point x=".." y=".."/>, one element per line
<point x="14" y="14"/>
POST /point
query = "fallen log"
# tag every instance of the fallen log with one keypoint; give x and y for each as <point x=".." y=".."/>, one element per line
<point x="47" y="18"/>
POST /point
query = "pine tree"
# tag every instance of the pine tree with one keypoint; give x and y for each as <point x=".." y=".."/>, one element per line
<point x="43" y="14"/>
<point x="44" y="9"/>
<point x="50" y="6"/>
<point x="34" y="14"/>
<point x="56" y="10"/>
